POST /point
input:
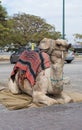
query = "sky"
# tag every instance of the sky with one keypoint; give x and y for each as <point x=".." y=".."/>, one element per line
<point x="51" y="11"/>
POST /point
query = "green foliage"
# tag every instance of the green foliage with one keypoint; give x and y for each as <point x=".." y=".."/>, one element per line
<point x="3" y="15"/>
<point x="23" y="28"/>
<point x="4" y="30"/>
<point x="29" y="28"/>
<point x="78" y="38"/>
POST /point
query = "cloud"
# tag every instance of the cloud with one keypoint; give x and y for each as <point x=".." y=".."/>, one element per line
<point x="51" y="11"/>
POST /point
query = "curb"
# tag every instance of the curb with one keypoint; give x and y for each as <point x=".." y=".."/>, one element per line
<point x="4" y="61"/>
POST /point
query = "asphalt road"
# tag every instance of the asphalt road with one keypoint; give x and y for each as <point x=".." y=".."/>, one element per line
<point x="56" y="117"/>
<point x="5" y="71"/>
<point x="74" y="72"/>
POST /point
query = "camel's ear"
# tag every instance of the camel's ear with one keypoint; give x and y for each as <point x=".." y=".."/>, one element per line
<point x="44" y="44"/>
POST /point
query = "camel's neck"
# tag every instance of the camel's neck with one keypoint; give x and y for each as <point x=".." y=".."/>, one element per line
<point x="57" y="63"/>
<point x="56" y="71"/>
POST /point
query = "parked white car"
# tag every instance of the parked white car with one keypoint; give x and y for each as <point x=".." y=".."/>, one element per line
<point x="70" y="56"/>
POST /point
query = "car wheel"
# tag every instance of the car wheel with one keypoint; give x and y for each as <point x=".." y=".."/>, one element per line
<point x="11" y="60"/>
<point x="68" y="61"/>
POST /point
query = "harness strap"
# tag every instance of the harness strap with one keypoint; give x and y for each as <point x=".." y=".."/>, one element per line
<point x="57" y="80"/>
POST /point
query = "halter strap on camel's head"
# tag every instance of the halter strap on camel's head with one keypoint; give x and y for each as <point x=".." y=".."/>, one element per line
<point x="49" y="45"/>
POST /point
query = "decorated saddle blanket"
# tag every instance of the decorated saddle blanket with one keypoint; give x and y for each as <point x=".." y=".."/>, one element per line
<point x="31" y="63"/>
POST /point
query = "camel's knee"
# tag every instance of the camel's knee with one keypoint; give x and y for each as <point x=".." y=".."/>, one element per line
<point x="13" y="87"/>
<point x="40" y="97"/>
<point x="26" y="87"/>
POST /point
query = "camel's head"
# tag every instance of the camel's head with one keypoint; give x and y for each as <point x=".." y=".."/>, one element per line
<point x="49" y="45"/>
<point x="56" y="48"/>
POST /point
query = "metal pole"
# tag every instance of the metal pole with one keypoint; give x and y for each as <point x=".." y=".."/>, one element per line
<point x="63" y="22"/>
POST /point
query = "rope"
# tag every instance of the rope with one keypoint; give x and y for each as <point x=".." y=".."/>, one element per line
<point x="56" y="80"/>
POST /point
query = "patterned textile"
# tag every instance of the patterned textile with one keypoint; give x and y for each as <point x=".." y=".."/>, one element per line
<point x="32" y="63"/>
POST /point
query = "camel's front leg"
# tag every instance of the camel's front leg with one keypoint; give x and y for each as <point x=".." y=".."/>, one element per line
<point x="40" y="90"/>
<point x="40" y="97"/>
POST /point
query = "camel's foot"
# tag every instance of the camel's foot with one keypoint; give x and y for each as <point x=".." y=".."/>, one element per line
<point x="51" y="101"/>
<point x="39" y="97"/>
<point x="60" y="101"/>
<point x="67" y="99"/>
<point x="32" y="105"/>
<point x="63" y="101"/>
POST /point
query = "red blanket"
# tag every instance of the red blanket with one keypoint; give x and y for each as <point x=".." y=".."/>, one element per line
<point x="32" y="63"/>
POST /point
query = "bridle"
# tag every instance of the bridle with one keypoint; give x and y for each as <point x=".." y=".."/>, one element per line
<point x="56" y="80"/>
<point x="51" y="54"/>
<point x="62" y="51"/>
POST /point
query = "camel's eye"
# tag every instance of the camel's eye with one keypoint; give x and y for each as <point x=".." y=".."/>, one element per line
<point x="58" y="45"/>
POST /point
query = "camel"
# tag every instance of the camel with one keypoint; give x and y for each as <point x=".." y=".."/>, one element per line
<point x="48" y="81"/>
